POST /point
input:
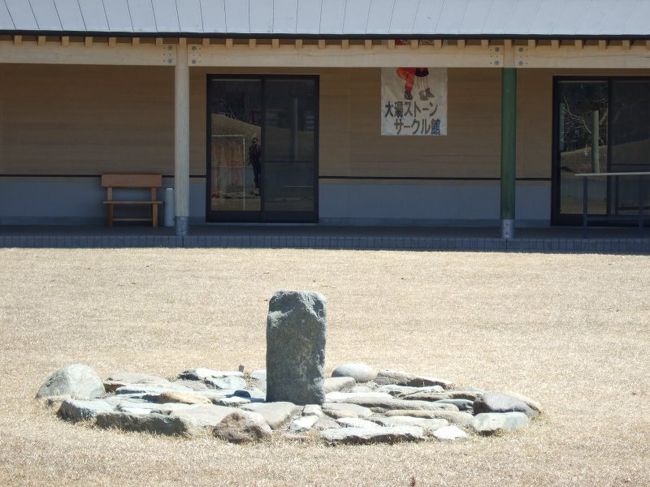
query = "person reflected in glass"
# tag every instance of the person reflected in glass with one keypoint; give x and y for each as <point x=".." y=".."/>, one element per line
<point x="254" y="156"/>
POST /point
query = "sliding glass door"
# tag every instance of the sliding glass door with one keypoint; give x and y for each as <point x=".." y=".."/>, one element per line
<point x="602" y="125"/>
<point x="262" y="149"/>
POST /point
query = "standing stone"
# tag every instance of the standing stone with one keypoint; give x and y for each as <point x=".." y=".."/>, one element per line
<point x="295" y="347"/>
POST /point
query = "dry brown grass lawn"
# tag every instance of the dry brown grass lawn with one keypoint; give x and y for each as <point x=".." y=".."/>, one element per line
<point x="572" y="331"/>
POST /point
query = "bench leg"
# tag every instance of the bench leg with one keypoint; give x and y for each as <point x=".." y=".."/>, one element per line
<point x="109" y="215"/>
<point x="154" y="215"/>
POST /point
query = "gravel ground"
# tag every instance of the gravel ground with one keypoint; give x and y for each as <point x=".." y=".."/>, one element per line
<point x="572" y="331"/>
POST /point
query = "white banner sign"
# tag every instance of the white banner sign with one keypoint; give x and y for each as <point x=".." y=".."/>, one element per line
<point x="413" y="101"/>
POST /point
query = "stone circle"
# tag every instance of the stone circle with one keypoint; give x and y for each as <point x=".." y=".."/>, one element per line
<point x="406" y="413"/>
<point x="359" y="404"/>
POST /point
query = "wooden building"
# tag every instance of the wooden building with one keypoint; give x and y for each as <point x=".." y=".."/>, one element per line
<point x="265" y="111"/>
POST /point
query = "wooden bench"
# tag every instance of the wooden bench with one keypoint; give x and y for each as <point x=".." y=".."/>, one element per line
<point x="152" y="182"/>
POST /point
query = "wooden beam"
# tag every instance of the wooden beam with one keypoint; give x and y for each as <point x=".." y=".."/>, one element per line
<point x="135" y="41"/>
<point x="626" y="43"/>
<point x="18" y="39"/>
<point x="40" y="40"/>
<point x="159" y="41"/>
<point x="437" y="43"/>
<point x="588" y="57"/>
<point x="88" y="41"/>
<point x="82" y="53"/>
<point x="555" y="43"/>
<point x="299" y="43"/>
<point x="345" y="44"/>
<point x="507" y="43"/>
<point x="356" y="56"/>
<point x="206" y="42"/>
<point x="391" y="43"/>
<point x="112" y="41"/>
<point x="367" y="43"/>
<point x="65" y="40"/>
<point x="415" y="43"/>
<point x="321" y="44"/>
<point x="461" y="43"/>
<point x="532" y="43"/>
<point x="579" y="43"/>
<point x="485" y="43"/>
<point x="182" y="42"/>
<point x="602" y="44"/>
<point x="252" y="43"/>
<point x="275" y="43"/>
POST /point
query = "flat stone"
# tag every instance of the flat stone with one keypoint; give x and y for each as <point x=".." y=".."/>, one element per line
<point x="76" y="380"/>
<point x="345" y="410"/>
<point x="380" y="400"/>
<point x="385" y="377"/>
<point x="128" y="401"/>
<point x="333" y="384"/>
<point x="450" y="433"/>
<point x="242" y="427"/>
<point x="276" y="414"/>
<point x="461" y="404"/>
<point x="295" y="347"/>
<point x="82" y="410"/>
<point x="232" y="401"/>
<point x="304" y="423"/>
<point x="365" y="387"/>
<point x="312" y="409"/>
<point x="325" y="423"/>
<point x="403" y="391"/>
<point x="356" y="423"/>
<point x="376" y="434"/>
<point x="359" y="371"/>
<point x="201" y="374"/>
<point x="491" y="423"/>
<point x="424" y="396"/>
<point x="130" y="389"/>
<point x="133" y="410"/>
<point x="203" y="416"/>
<point x="491" y="402"/>
<point x="229" y="382"/>
<point x="174" y="407"/>
<point x="534" y="405"/>
<point x="181" y="397"/>
<point x="421" y="394"/>
<point x="194" y="385"/>
<point x="455" y="417"/>
<point x="428" y="425"/>
<point x="120" y="379"/>
<point x="161" y="424"/>
<point x="353" y="396"/>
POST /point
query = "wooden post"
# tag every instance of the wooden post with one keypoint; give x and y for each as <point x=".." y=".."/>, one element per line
<point x="508" y="151"/>
<point x="182" y="139"/>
